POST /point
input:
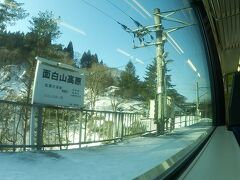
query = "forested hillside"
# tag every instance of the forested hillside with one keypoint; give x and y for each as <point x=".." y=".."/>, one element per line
<point x="20" y="49"/>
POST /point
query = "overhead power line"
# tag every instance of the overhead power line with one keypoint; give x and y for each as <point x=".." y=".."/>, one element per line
<point x="117" y="7"/>
<point x="142" y="31"/>
<point x="127" y="29"/>
<point x="137" y="34"/>
<point x="106" y="14"/>
<point x="138" y="24"/>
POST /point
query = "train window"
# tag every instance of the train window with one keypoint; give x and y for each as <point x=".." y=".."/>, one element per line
<point x="140" y="66"/>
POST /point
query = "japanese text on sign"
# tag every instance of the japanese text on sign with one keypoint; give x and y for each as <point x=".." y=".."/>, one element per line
<point x="61" y="77"/>
<point x="54" y="85"/>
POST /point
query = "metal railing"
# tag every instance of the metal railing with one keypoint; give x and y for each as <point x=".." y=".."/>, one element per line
<point x="74" y="127"/>
<point x="63" y="128"/>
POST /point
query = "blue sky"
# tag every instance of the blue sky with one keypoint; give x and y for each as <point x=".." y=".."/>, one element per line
<point x="90" y="29"/>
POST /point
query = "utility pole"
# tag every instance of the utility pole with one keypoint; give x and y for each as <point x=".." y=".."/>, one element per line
<point x="197" y="99"/>
<point x="161" y="36"/>
<point x="160" y="72"/>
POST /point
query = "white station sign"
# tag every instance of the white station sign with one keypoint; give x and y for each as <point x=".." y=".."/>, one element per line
<point x="58" y="84"/>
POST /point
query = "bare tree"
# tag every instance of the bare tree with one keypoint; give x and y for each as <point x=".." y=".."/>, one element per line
<point x="97" y="80"/>
<point x="115" y="98"/>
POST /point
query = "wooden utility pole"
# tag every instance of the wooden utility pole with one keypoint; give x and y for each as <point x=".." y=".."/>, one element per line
<point x="160" y="72"/>
<point x="197" y="99"/>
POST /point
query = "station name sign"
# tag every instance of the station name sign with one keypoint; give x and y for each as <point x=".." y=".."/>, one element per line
<point x="58" y="85"/>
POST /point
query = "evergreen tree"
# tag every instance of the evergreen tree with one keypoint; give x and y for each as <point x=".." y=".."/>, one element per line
<point x="12" y="48"/>
<point x="77" y="59"/>
<point x="88" y="60"/>
<point x="44" y="28"/>
<point x="150" y="81"/>
<point x="11" y="40"/>
<point x="94" y="59"/>
<point x="129" y="82"/>
<point x="150" y="84"/>
<point x="69" y="50"/>
<point x="10" y="11"/>
<point x="85" y="60"/>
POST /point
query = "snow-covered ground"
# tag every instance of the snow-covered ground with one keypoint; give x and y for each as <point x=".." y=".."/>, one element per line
<point x="124" y="160"/>
<point x="11" y="80"/>
<point x="103" y="103"/>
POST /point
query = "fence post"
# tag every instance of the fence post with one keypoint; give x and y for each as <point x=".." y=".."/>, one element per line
<point x="32" y="126"/>
<point x="186" y="121"/>
<point x="180" y="122"/>
<point x="85" y="130"/>
<point x="118" y="125"/>
<point x="80" y="129"/>
<point x="39" y="129"/>
<point x="114" y="125"/>
<point x="150" y="124"/>
<point x="122" y="127"/>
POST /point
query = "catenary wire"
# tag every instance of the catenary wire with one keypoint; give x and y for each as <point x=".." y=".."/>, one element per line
<point x="107" y="15"/>
<point x="114" y="5"/>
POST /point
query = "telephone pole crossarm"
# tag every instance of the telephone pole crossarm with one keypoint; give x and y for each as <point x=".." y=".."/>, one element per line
<point x="169" y="30"/>
<point x="173" y="19"/>
<point x="176" y="10"/>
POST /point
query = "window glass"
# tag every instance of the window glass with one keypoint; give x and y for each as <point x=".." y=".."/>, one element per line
<point x="129" y="77"/>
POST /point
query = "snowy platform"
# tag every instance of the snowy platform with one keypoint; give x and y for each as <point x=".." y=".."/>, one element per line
<point x="124" y="160"/>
